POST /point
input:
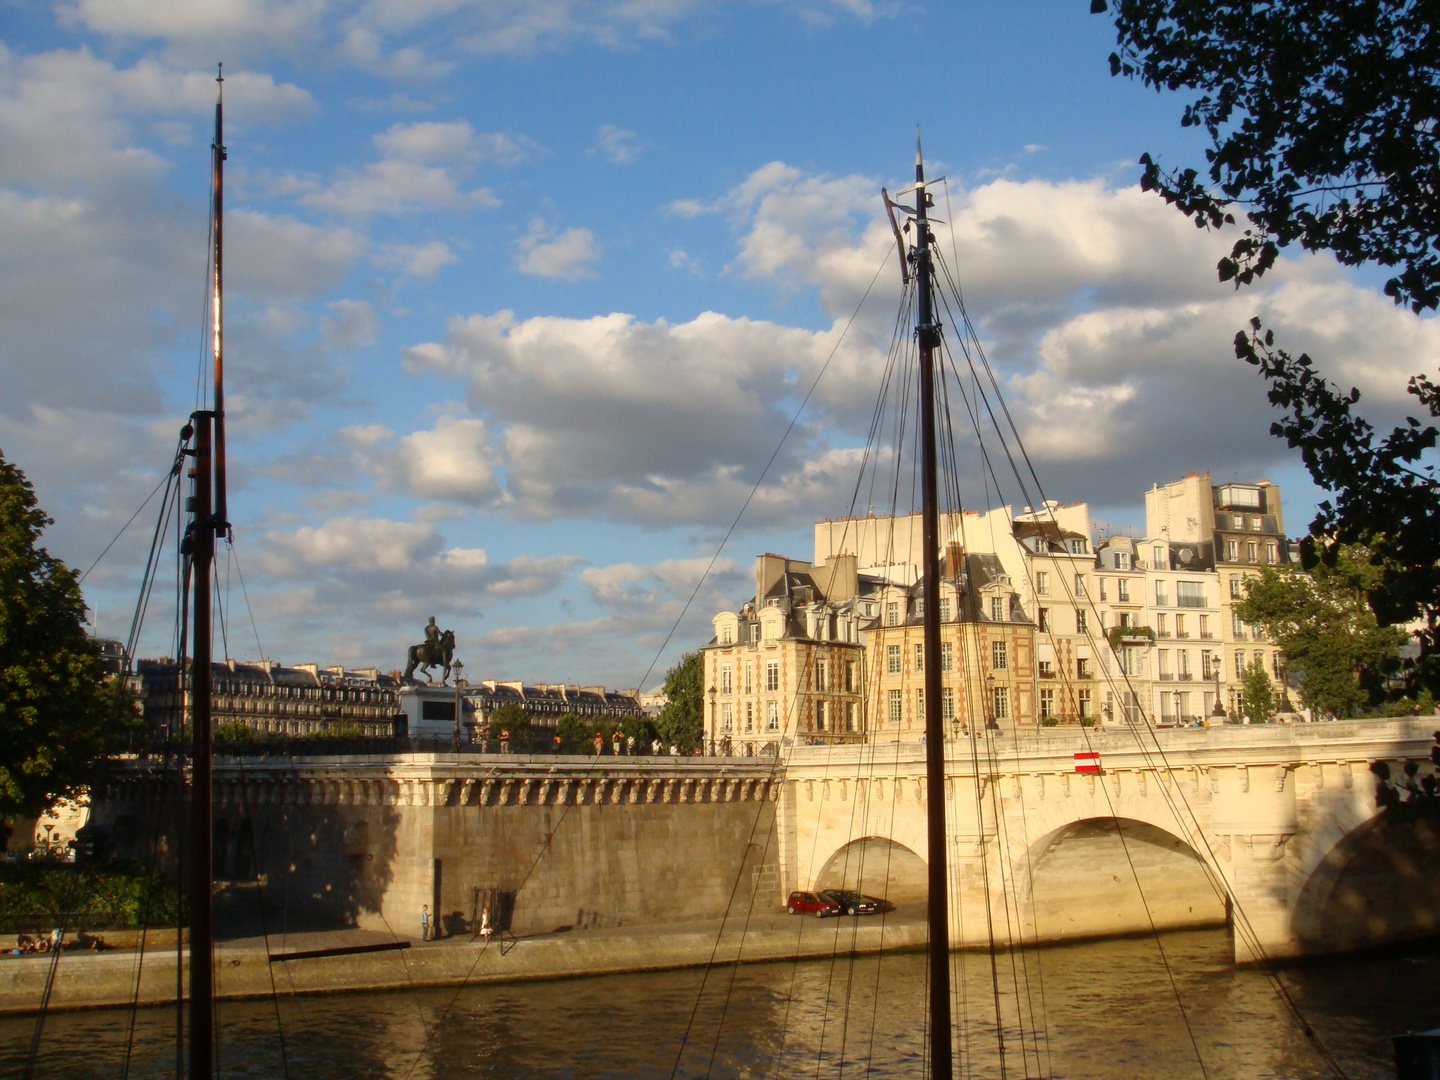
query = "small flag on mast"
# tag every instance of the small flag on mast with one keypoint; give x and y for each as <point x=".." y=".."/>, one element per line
<point x="1087" y="761"/>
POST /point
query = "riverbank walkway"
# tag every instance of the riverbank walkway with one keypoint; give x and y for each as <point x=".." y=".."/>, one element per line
<point x="248" y="968"/>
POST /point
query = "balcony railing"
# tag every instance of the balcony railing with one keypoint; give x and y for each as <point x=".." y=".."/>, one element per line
<point x="1185" y="676"/>
<point x="1206" y="635"/>
<point x="1165" y="676"/>
<point x="1189" y="601"/>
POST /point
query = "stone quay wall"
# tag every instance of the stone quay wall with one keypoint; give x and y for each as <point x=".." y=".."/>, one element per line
<point x="543" y="842"/>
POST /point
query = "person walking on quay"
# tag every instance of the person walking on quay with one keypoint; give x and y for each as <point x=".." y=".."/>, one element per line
<point x="424" y="922"/>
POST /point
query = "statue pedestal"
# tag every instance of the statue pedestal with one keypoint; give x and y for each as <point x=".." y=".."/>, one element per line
<point x="430" y="712"/>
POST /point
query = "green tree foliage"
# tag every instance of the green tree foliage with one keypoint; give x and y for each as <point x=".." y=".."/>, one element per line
<point x="1335" y="649"/>
<point x="575" y="735"/>
<point x="682" y="721"/>
<point x="1259" y="699"/>
<point x="1321" y="115"/>
<point x="510" y="717"/>
<point x="59" y="718"/>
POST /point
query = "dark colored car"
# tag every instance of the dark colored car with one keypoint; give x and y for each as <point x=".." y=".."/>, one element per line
<point x="853" y="903"/>
<point x="809" y="903"/>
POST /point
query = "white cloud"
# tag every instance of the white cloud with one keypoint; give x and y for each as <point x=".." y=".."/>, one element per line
<point x="619" y="147"/>
<point x="419" y="260"/>
<point x="451" y="461"/>
<point x="455" y="142"/>
<point x="567" y="256"/>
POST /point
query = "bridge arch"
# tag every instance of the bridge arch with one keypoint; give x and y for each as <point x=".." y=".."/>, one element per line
<point x="1106" y="875"/>
<point x="1375" y="884"/>
<point x="877" y="866"/>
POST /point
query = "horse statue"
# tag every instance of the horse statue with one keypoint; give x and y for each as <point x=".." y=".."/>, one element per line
<point x="430" y="654"/>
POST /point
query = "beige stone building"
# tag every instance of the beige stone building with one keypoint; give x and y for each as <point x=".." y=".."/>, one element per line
<point x="987" y="650"/>
<point x="789" y="663"/>
<point x="1236" y="528"/>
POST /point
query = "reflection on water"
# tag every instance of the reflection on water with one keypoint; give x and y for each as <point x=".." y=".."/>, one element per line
<point x="1104" y="1010"/>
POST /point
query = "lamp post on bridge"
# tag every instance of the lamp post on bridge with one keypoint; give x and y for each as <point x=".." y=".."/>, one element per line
<point x="457" y="667"/>
<point x="714" y="724"/>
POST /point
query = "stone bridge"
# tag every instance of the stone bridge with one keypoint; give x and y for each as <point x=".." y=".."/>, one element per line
<point x="1273" y="827"/>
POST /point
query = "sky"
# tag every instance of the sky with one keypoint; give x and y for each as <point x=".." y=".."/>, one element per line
<point x="522" y="296"/>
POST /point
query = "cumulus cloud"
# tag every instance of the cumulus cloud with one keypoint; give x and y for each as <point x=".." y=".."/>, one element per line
<point x="565" y="256"/>
<point x="418" y="260"/>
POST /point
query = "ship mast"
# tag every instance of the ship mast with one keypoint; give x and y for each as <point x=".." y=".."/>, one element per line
<point x="208" y="521"/>
<point x="927" y="333"/>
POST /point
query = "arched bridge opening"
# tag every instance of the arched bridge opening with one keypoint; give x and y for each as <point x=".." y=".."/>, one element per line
<point x="876" y="866"/>
<point x="1378" y="885"/>
<point x="1106" y="876"/>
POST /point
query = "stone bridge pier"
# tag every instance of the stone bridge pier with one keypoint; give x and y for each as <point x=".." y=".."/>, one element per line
<point x="1271" y="829"/>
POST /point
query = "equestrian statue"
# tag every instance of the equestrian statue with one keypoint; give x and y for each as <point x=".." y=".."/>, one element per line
<point x="437" y="650"/>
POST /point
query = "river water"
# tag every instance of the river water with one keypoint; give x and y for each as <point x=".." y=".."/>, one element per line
<point x="1105" y="1010"/>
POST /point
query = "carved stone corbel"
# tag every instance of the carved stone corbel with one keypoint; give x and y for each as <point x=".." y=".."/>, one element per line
<point x="1243" y="771"/>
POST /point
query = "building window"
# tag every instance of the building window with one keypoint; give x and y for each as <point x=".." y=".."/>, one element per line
<point x="1239" y="663"/>
<point x="1232" y="550"/>
<point x="1000" y="702"/>
<point x="727" y="717"/>
<point x="1043" y="619"/>
<point x="1275" y="663"/>
<point x="1079" y="585"/>
<point x="819" y="716"/>
<point x="772" y="676"/>
<point x="849" y="716"/>
<point x="1205" y="627"/>
<point x="1207" y="665"/>
<point x="1190" y="594"/>
<point x="772" y="716"/>
<point x="754" y="633"/>
<point x="1045" y="669"/>
<point x="727" y="680"/>
<point x="749" y="678"/>
<point x="1129" y="664"/>
<point x="1160" y="598"/>
<point x="1047" y="703"/>
<point x="947" y="655"/>
<point x="850" y="676"/>
<point x="897" y="707"/>
<point x="944" y="609"/>
<point x="1125" y="620"/>
<point x="1251" y="551"/>
<point x="920" y="657"/>
<point x="892" y="614"/>
<point x="726" y="635"/>
<point x="749" y="716"/>
<point x="1182" y="662"/>
<point x="1122" y="560"/>
<point x="1102" y="589"/>
<point x="1162" y="663"/>
<point x="820" y="677"/>
<point x="1080" y="626"/>
<point x="1122" y="589"/>
<point x="919" y="611"/>
<point x="998" y="655"/>
<point x="1082" y="668"/>
<point x="1237" y="628"/>
<point x="920" y="704"/>
<point x="947" y="703"/>
<point x="892" y="659"/>
<point x="1235" y="593"/>
<point x="1272" y="553"/>
<point x="1042" y="583"/>
<point x="1084" y="703"/>
<point x="1158" y="559"/>
<point x="997" y="609"/>
<point x="1180" y="630"/>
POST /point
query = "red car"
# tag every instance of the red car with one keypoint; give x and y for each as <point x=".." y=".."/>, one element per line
<point x="809" y="903"/>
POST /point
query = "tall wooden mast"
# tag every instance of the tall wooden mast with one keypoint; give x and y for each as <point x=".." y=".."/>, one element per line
<point x="208" y="521"/>
<point x="927" y="333"/>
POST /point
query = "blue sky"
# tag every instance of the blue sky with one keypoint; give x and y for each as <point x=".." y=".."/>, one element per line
<point x="519" y="294"/>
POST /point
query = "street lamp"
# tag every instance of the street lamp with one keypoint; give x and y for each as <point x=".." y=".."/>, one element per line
<point x="1218" y="713"/>
<point x="990" y="723"/>
<point x="457" y="667"/>
<point x="714" y="721"/>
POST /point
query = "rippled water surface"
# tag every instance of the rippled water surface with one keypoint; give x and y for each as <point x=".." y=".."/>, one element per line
<point x="1103" y="1010"/>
